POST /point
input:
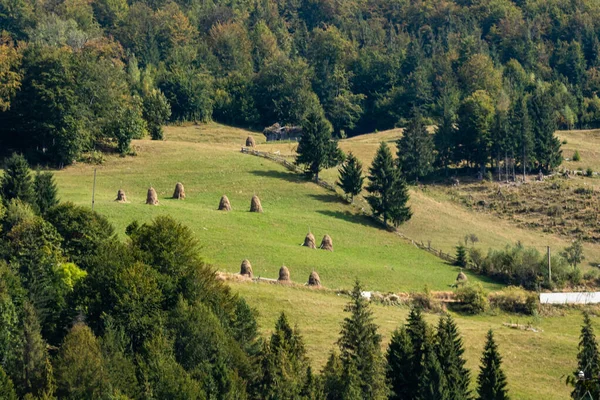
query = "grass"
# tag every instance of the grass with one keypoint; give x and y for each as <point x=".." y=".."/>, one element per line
<point x="438" y="219"/>
<point x="536" y="363"/>
<point x="206" y="159"/>
<point x="293" y="206"/>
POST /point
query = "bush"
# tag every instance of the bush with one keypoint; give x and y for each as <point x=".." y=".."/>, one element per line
<point x="576" y="156"/>
<point x="589" y="172"/>
<point x="575" y="276"/>
<point x="472" y="298"/>
<point x="515" y="299"/>
<point x="425" y="301"/>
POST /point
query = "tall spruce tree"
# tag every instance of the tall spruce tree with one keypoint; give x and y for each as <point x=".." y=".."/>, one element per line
<point x="351" y="177"/>
<point x="416" y="149"/>
<point x="399" y="371"/>
<point x="389" y="192"/>
<point x="588" y="362"/>
<point x="360" y="348"/>
<point x="444" y="139"/>
<point x="45" y="191"/>
<point x="419" y="335"/>
<point x="450" y="350"/>
<point x="547" y="146"/>
<point x="16" y="183"/>
<point x="283" y="363"/>
<point x="521" y="127"/>
<point x="491" y="382"/>
<point x="317" y="150"/>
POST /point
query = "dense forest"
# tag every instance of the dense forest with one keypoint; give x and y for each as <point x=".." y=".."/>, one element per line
<point x="496" y="76"/>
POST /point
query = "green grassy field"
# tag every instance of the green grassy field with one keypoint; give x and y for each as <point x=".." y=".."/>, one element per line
<point x="207" y="160"/>
<point x="536" y="363"/>
<point x="292" y="206"/>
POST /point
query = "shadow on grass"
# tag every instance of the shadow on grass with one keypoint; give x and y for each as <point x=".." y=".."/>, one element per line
<point x="328" y="198"/>
<point x="351" y="217"/>
<point x="287" y="176"/>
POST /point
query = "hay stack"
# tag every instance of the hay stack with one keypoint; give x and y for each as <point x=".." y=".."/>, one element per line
<point x="309" y="241"/>
<point x="152" y="198"/>
<point x="246" y="269"/>
<point x="284" y="274"/>
<point x="461" y="278"/>
<point x="179" y="192"/>
<point x="326" y="243"/>
<point x="250" y="142"/>
<point x="255" y="205"/>
<point x="224" y="204"/>
<point x="314" y="279"/>
<point x="121" y="198"/>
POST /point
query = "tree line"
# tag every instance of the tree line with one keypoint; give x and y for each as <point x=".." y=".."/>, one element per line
<point x="495" y="76"/>
<point x="88" y="316"/>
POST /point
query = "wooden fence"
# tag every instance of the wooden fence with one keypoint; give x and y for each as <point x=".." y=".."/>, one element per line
<point x="294" y="168"/>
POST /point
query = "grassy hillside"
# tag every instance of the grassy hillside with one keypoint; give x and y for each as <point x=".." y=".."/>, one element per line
<point x="292" y="207"/>
<point x="207" y="160"/>
<point x="442" y="221"/>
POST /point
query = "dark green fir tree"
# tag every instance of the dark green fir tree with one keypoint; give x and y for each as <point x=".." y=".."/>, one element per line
<point x="461" y="256"/>
<point x="16" y="183"/>
<point x="317" y="150"/>
<point x="547" y="146"/>
<point x="416" y="149"/>
<point x="45" y="191"/>
<point x="388" y="190"/>
<point x="588" y="364"/>
<point x="450" y="350"/>
<point x="360" y="349"/>
<point x="491" y="382"/>
<point x="399" y="358"/>
<point x="351" y="177"/>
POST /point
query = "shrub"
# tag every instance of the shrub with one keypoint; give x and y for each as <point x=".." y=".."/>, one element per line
<point x="589" y="172"/>
<point x="472" y="298"/>
<point x="575" y="276"/>
<point x="515" y="299"/>
<point x="576" y="156"/>
<point x="425" y="301"/>
<point x="565" y="141"/>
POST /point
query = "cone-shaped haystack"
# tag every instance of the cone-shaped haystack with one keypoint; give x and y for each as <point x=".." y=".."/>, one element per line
<point x="309" y="241"/>
<point x="314" y="279"/>
<point x="255" y="205"/>
<point x="327" y="243"/>
<point x="179" y="192"/>
<point x="121" y="198"/>
<point x="250" y="142"/>
<point x="284" y="274"/>
<point x="461" y="277"/>
<point x="246" y="269"/>
<point x="152" y="198"/>
<point x="224" y="204"/>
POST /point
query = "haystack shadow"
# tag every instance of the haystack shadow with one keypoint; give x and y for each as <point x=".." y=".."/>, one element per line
<point x="347" y="216"/>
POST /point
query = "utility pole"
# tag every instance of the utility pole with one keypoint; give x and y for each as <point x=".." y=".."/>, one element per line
<point x="94" y="190"/>
<point x="549" y="267"/>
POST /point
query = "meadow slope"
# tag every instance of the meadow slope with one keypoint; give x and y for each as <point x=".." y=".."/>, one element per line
<point x="207" y="160"/>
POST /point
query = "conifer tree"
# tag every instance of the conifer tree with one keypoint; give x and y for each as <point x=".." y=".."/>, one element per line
<point x="16" y="183"/>
<point x="588" y="362"/>
<point x="416" y="149"/>
<point x="521" y="127"/>
<point x="351" y="179"/>
<point x="418" y="332"/>
<point x="450" y="350"/>
<point x="317" y="150"/>
<point x="283" y="363"/>
<point x="547" y="145"/>
<point x="399" y="358"/>
<point x="389" y="193"/>
<point x="45" y="191"/>
<point x="36" y="376"/>
<point x="491" y="382"/>
<point x="461" y="256"/>
<point x="444" y="139"/>
<point x="433" y="385"/>
<point x="360" y="348"/>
